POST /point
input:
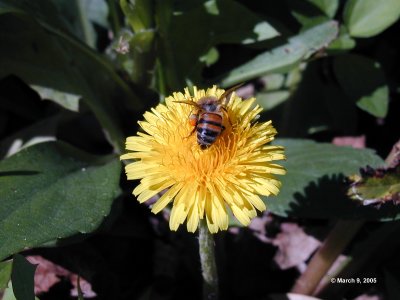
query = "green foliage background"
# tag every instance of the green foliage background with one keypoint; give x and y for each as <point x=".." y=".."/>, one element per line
<point x="69" y="96"/>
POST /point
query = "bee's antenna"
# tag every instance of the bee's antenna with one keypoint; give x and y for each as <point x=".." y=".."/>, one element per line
<point x="229" y="91"/>
<point x="188" y="102"/>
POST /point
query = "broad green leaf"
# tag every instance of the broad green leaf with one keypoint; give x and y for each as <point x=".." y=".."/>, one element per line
<point x="314" y="186"/>
<point x="5" y="273"/>
<point x="58" y="61"/>
<point x="376" y="186"/>
<point x="51" y="191"/>
<point x="22" y="276"/>
<point x="366" y="18"/>
<point x="363" y="81"/>
<point x="283" y="58"/>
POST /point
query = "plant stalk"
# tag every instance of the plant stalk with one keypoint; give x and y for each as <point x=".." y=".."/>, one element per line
<point x="208" y="265"/>
<point x="334" y="244"/>
<point x="352" y="266"/>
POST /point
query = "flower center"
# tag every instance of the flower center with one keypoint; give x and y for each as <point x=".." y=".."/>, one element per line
<point x="187" y="161"/>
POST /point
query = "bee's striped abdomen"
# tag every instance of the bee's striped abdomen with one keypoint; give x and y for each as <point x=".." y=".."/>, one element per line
<point x="209" y="127"/>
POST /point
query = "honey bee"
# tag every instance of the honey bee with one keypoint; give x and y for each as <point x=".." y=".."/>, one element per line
<point x="208" y="118"/>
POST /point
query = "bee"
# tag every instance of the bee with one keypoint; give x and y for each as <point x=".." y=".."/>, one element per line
<point x="209" y="117"/>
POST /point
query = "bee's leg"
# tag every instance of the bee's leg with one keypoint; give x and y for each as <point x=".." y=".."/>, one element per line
<point x="191" y="133"/>
<point x="193" y="120"/>
<point x="227" y="115"/>
<point x="194" y="129"/>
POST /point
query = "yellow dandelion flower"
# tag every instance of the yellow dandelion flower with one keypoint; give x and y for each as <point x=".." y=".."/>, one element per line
<point x="232" y="173"/>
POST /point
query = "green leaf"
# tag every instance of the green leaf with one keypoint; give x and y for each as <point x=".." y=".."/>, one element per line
<point x="187" y="36"/>
<point x="314" y="186"/>
<point x="317" y="104"/>
<point x="343" y="42"/>
<point x="139" y="13"/>
<point x="80" y="15"/>
<point x="366" y="18"/>
<point x="22" y="276"/>
<point x="9" y="293"/>
<point x="46" y="56"/>
<point x="308" y="13"/>
<point x="45" y="11"/>
<point x="363" y="81"/>
<point x="329" y="7"/>
<point x="87" y="29"/>
<point x="376" y="186"/>
<point x="278" y="88"/>
<point x="284" y="58"/>
<point x="142" y="40"/>
<point x="51" y="191"/>
<point x="210" y="57"/>
<point x="5" y="273"/>
<point x="261" y="31"/>
<point x="270" y="100"/>
<point x="42" y="131"/>
<point x="97" y="12"/>
<point x="66" y="100"/>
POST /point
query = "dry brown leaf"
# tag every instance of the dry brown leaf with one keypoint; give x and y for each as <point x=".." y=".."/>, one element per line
<point x="259" y="227"/>
<point x="48" y="274"/>
<point x="86" y="287"/>
<point x="368" y="297"/>
<point x="294" y="247"/>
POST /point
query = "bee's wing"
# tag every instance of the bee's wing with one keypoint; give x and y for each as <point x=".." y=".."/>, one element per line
<point x="227" y="92"/>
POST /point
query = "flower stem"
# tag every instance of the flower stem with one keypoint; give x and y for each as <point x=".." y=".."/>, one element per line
<point x="207" y="259"/>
